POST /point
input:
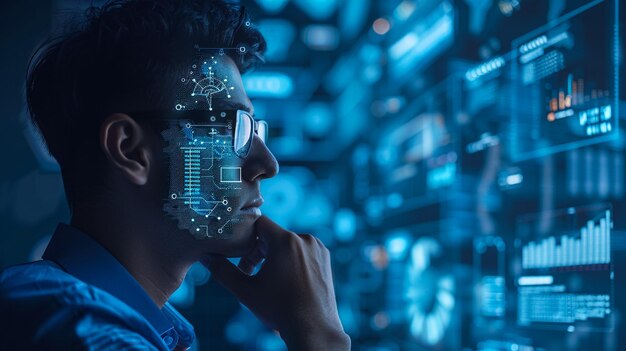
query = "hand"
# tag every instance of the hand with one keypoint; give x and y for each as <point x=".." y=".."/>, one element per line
<point x="293" y="292"/>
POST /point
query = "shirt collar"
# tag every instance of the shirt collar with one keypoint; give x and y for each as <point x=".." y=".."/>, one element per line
<point x="81" y="256"/>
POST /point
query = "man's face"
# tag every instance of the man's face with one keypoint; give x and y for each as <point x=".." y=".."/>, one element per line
<point x="216" y="159"/>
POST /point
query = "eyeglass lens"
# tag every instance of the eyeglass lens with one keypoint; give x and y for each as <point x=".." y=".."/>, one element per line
<point x="243" y="131"/>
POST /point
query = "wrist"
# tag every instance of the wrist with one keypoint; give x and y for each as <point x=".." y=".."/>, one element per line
<point x="309" y="339"/>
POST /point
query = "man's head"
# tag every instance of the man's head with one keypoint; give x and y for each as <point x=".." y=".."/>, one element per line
<point x="95" y="92"/>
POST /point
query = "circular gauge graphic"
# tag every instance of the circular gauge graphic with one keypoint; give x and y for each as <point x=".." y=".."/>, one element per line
<point x="429" y="293"/>
<point x="207" y="87"/>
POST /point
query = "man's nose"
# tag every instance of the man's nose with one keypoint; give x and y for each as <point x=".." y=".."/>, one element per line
<point x="260" y="163"/>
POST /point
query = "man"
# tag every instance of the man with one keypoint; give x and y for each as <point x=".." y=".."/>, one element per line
<point x="144" y="109"/>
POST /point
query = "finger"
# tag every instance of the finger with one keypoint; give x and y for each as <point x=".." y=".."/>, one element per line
<point x="227" y="274"/>
<point x="314" y="242"/>
<point x="320" y="242"/>
<point x="308" y="238"/>
<point x="252" y="259"/>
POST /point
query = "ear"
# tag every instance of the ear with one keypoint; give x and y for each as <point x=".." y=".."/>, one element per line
<point x="125" y="145"/>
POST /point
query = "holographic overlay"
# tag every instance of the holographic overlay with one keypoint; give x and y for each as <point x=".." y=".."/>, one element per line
<point x="205" y="176"/>
<point x="204" y="82"/>
<point x="204" y="147"/>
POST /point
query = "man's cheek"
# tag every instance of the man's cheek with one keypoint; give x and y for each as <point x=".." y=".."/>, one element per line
<point x="205" y="179"/>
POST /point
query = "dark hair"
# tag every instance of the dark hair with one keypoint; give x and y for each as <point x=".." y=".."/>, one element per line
<point x="122" y="57"/>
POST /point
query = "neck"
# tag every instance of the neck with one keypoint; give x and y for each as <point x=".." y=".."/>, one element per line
<point x="141" y="246"/>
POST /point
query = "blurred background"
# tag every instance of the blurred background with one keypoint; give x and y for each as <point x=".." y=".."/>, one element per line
<point x="462" y="159"/>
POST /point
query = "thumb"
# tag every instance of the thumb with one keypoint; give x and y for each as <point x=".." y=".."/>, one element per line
<point x="231" y="277"/>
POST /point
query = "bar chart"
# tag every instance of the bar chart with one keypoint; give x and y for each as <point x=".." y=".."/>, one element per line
<point x="591" y="246"/>
<point x="574" y="94"/>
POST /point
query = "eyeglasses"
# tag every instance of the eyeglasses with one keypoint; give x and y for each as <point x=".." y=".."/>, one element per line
<point x="242" y="123"/>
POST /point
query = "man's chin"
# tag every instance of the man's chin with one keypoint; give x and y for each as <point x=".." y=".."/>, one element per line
<point x="242" y="240"/>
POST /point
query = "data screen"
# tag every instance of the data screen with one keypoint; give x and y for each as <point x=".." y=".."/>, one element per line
<point x="566" y="276"/>
<point x="417" y="158"/>
<point x="565" y="93"/>
<point x="490" y="276"/>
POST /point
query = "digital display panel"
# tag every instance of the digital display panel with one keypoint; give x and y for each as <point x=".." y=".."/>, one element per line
<point x="566" y="276"/>
<point x="565" y="92"/>
<point x="483" y="105"/>
<point x="490" y="281"/>
<point x="417" y="158"/>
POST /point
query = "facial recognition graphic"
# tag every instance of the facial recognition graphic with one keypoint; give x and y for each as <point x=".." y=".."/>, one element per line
<point x="204" y="82"/>
<point x="205" y="171"/>
<point x="566" y="277"/>
<point x="566" y="76"/>
<point x="205" y="176"/>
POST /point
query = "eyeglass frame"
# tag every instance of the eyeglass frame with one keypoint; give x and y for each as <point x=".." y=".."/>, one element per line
<point x="200" y="115"/>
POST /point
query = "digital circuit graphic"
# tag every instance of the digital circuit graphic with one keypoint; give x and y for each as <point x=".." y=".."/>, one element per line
<point x="205" y="176"/>
<point x="202" y="84"/>
<point x="205" y="173"/>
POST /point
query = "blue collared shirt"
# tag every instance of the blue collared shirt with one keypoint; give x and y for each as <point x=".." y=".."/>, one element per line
<point x="80" y="297"/>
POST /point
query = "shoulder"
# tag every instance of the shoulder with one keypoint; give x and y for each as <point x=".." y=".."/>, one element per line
<point x="25" y="276"/>
<point x="43" y="306"/>
<point x="35" y="283"/>
<point x="45" y="282"/>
